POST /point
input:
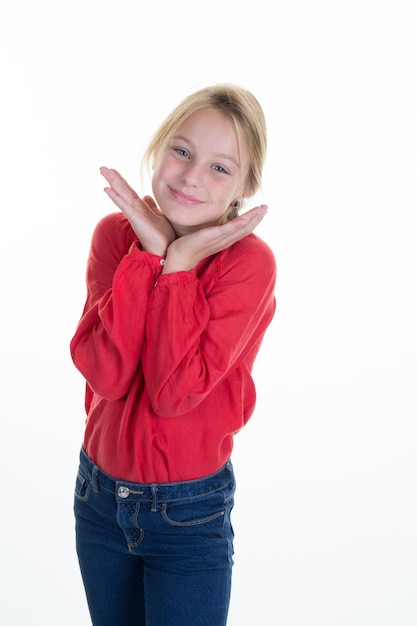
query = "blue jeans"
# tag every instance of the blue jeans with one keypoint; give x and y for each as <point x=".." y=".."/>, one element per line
<point x="155" y="554"/>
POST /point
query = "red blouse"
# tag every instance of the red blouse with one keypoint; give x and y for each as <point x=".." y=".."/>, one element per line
<point x="168" y="357"/>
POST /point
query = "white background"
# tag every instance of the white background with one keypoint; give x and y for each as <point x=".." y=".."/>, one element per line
<point x="326" y="514"/>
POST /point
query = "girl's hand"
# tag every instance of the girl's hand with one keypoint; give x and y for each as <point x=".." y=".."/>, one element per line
<point x="187" y="251"/>
<point x="154" y="231"/>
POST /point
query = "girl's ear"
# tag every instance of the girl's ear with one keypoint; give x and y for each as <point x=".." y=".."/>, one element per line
<point x="233" y="210"/>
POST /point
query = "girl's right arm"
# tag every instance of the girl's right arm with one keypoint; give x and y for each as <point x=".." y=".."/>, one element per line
<point x="107" y="344"/>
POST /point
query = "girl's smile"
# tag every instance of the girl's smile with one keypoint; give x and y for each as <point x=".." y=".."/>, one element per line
<point x="184" y="198"/>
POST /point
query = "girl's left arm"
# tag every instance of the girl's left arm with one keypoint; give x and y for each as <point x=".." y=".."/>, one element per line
<point x="194" y="339"/>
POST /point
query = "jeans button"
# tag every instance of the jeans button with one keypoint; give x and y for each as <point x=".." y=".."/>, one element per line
<point x="123" y="492"/>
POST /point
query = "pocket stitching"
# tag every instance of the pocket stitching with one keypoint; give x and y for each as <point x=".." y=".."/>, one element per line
<point x="172" y="522"/>
<point x="80" y="478"/>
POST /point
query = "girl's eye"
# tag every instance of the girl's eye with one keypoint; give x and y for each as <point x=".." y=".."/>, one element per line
<point x="220" y="169"/>
<point x="182" y="152"/>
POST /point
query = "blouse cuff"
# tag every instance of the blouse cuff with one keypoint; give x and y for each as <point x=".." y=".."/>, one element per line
<point x="153" y="260"/>
<point x="174" y="279"/>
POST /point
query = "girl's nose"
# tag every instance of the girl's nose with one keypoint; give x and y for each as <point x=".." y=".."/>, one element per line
<point x="192" y="175"/>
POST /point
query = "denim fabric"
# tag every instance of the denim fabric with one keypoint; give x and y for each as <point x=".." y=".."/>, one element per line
<point x="155" y="555"/>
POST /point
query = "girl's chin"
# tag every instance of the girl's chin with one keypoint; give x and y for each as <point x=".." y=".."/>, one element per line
<point x="182" y="220"/>
<point x="179" y="224"/>
<point x="185" y="229"/>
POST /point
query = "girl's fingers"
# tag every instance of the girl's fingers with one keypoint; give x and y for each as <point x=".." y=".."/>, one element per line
<point x="218" y="238"/>
<point x="152" y="205"/>
<point x="244" y="224"/>
<point x="257" y="212"/>
<point x="120" y="190"/>
<point x="115" y="179"/>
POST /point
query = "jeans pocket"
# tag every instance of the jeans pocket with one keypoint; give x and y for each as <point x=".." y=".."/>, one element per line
<point x="194" y="511"/>
<point x="82" y="486"/>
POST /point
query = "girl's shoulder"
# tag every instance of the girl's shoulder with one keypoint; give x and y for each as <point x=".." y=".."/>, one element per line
<point x="250" y="259"/>
<point x="253" y="248"/>
<point x="114" y="230"/>
<point x="115" y="224"/>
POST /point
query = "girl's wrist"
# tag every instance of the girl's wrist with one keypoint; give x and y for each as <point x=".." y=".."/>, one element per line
<point x="176" y="263"/>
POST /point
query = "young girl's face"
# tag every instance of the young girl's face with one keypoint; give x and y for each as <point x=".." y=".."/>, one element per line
<point x="200" y="173"/>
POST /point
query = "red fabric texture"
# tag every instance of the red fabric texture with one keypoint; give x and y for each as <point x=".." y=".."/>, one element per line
<point x="168" y="357"/>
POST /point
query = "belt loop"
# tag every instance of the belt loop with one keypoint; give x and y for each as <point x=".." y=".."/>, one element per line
<point x="94" y="479"/>
<point x="154" y="492"/>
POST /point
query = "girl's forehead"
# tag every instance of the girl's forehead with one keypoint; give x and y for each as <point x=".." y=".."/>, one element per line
<point x="208" y="119"/>
<point x="212" y="128"/>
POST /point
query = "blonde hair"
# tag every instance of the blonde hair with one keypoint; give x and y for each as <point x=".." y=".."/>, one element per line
<point x="243" y="110"/>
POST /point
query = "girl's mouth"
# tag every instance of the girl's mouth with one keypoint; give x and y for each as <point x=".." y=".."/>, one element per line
<point x="183" y="198"/>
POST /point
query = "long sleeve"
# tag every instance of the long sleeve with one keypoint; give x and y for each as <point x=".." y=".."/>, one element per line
<point x="196" y="336"/>
<point x="108" y="341"/>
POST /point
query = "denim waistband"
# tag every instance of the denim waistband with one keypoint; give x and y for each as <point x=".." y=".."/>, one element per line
<point x="162" y="491"/>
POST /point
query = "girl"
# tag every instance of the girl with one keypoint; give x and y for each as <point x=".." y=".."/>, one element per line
<point x="180" y="294"/>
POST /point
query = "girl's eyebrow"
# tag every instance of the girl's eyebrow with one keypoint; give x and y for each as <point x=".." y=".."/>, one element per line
<point x="228" y="157"/>
<point x="181" y="138"/>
